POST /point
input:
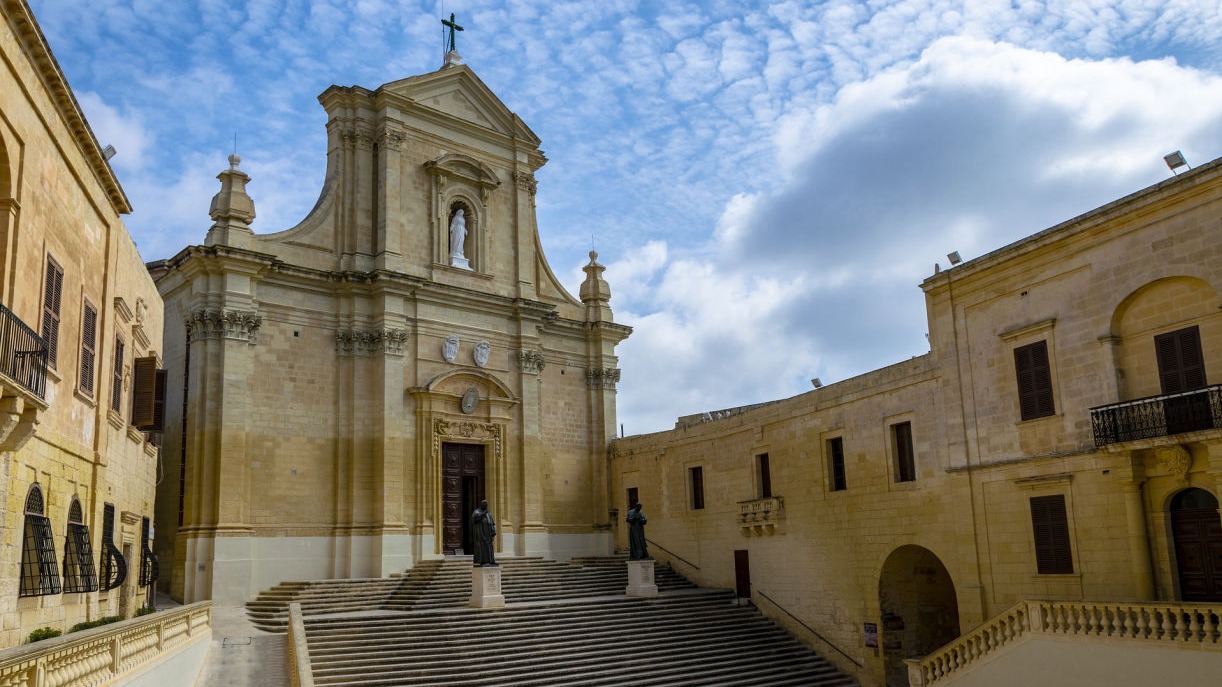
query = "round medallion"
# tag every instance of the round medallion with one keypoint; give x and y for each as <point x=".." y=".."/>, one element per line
<point x="470" y="400"/>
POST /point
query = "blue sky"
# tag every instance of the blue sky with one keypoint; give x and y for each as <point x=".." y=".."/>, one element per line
<point x="767" y="182"/>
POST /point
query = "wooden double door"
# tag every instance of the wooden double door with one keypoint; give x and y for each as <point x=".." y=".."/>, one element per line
<point x="462" y="488"/>
<point x="1197" y="531"/>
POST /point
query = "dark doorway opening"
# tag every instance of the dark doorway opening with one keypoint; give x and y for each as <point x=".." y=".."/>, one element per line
<point x="462" y="488"/>
<point x="1197" y="533"/>
<point x="920" y="611"/>
<point x="742" y="573"/>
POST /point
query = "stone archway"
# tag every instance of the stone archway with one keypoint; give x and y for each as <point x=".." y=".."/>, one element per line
<point x="919" y="609"/>
<point x="1196" y="534"/>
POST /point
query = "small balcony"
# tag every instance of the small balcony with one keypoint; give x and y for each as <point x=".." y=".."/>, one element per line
<point x="1158" y="416"/>
<point x="23" y="380"/>
<point x="760" y="516"/>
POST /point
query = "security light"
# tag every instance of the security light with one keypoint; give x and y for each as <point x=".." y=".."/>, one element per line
<point x="954" y="258"/>
<point x="1175" y="161"/>
<point x="816" y="383"/>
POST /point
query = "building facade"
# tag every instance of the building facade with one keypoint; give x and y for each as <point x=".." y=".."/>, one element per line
<point x="346" y="391"/>
<point x="1061" y="440"/>
<point x="80" y="336"/>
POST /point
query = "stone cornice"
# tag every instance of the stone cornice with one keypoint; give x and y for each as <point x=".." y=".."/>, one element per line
<point x="39" y="52"/>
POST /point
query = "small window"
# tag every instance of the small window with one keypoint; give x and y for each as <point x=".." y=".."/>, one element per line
<point x="52" y="296"/>
<point x="633" y="497"/>
<point x="114" y="567"/>
<point x="149" y="568"/>
<point x="1034" y="381"/>
<point x="901" y="446"/>
<point x="696" y="477"/>
<point x="39" y="573"/>
<point x="116" y="388"/>
<point x="1051" y="529"/>
<point x="835" y="464"/>
<point x="79" y="574"/>
<point x="89" y="345"/>
<point x="765" y="475"/>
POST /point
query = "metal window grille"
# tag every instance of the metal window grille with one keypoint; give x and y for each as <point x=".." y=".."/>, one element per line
<point x="149" y="569"/>
<point x="39" y="572"/>
<point x="114" y="567"/>
<point x="80" y="575"/>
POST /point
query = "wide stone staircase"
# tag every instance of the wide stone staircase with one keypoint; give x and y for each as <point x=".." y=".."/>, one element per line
<point x="564" y="624"/>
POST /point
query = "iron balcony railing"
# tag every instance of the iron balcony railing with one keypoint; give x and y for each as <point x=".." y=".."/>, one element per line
<point x="23" y="353"/>
<point x="1158" y="416"/>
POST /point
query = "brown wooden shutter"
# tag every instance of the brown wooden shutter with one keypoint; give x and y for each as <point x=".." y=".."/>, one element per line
<point x="1034" y="380"/>
<point x="1050" y="526"/>
<point x="1181" y="366"/>
<point x="116" y="387"/>
<point x="89" y="336"/>
<point x="52" y="295"/>
<point x="148" y="395"/>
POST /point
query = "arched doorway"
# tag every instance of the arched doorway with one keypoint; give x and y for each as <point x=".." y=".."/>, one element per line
<point x="920" y="611"/>
<point x="1196" y="532"/>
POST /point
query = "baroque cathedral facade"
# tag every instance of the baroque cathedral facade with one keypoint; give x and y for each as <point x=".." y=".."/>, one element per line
<point x="345" y="391"/>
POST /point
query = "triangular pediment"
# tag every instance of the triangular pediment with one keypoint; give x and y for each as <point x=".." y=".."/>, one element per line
<point x="457" y="92"/>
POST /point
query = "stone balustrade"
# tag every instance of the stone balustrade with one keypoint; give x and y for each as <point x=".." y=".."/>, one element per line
<point x="300" y="672"/>
<point x="760" y="516"/>
<point x="1181" y="624"/>
<point x="105" y="654"/>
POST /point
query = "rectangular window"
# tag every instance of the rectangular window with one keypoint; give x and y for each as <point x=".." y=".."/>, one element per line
<point x="148" y="395"/>
<point x="116" y="387"/>
<point x="1051" y="529"/>
<point x="765" y="473"/>
<point x="51" y="297"/>
<point x="89" y="345"/>
<point x="835" y="464"/>
<point x="901" y="446"/>
<point x="1034" y="380"/>
<point x="1181" y="367"/>
<point x="633" y="497"/>
<point x="696" y="477"/>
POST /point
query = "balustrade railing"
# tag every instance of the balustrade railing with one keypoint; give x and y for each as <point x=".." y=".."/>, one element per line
<point x="23" y="354"/>
<point x="1158" y="416"/>
<point x="767" y="510"/>
<point x="1186" y="625"/>
<point x="103" y="655"/>
<point x="301" y="674"/>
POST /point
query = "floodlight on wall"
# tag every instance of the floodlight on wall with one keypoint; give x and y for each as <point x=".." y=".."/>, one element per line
<point x="817" y="383"/>
<point x="108" y="152"/>
<point x="954" y="258"/>
<point x="1175" y="161"/>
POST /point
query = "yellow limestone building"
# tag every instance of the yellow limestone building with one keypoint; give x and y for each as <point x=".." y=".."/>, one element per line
<point x="1062" y="440"/>
<point x="344" y="392"/>
<point x="80" y="333"/>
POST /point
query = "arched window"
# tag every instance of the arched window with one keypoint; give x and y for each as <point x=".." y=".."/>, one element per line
<point x="79" y="574"/>
<point x="114" y="567"/>
<point x="39" y="573"/>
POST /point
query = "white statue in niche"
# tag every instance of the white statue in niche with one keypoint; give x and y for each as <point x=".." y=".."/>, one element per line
<point x="449" y="348"/>
<point x="482" y="349"/>
<point x="458" y="239"/>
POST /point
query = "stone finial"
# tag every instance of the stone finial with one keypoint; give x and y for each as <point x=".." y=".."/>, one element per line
<point x="232" y="209"/>
<point x="595" y="292"/>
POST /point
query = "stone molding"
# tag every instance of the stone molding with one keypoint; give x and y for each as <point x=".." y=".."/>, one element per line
<point x="528" y="183"/>
<point x="390" y="140"/>
<point x="467" y="429"/>
<point x="359" y="138"/>
<point x="602" y="378"/>
<point x="531" y="362"/>
<point x="216" y="323"/>
<point x="370" y="342"/>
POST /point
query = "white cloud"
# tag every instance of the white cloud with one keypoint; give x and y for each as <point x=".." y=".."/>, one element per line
<point x="126" y="132"/>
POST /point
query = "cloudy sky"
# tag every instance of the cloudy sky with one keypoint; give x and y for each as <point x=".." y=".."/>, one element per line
<point x="767" y="182"/>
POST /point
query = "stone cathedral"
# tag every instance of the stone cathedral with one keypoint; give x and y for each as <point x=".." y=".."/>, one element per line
<point x="342" y="393"/>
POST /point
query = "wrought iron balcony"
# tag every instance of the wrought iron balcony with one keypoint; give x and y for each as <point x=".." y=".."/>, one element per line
<point x="23" y="354"/>
<point x="1158" y="416"/>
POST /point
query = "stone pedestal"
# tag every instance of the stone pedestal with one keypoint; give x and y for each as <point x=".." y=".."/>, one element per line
<point x="486" y="587"/>
<point x="640" y="579"/>
<point x="459" y="261"/>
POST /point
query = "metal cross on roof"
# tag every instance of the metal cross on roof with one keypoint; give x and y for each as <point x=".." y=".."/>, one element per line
<point x="453" y="26"/>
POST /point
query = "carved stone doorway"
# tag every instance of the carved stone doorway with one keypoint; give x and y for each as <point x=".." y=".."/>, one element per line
<point x="462" y="488"/>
